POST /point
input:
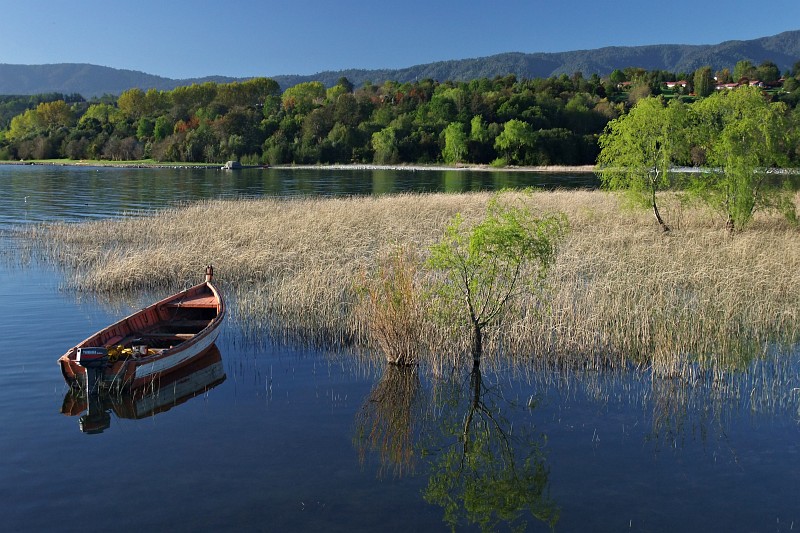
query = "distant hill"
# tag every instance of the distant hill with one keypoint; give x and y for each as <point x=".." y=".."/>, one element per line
<point x="782" y="49"/>
<point x="87" y="80"/>
<point x="92" y="80"/>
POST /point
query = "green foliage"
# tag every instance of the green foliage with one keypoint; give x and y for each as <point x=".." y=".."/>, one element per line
<point x="637" y="150"/>
<point x="703" y="82"/>
<point x="768" y="72"/>
<point x="515" y="139"/>
<point x="506" y="121"/>
<point x="23" y="126"/>
<point x="384" y="143"/>
<point x="11" y="105"/>
<point x="743" y="136"/>
<point x="744" y="69"/>
<point x="311" y="124"/>
<point x="455" y="143"/>
<point x="303" y="97"/>
<point x="486" y="266"/>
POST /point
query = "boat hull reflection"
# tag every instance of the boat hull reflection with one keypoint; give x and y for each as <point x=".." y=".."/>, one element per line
<point x="158" y="396"/>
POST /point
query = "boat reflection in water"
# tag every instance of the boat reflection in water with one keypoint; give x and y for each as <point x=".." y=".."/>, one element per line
<point x="157" y="397"/>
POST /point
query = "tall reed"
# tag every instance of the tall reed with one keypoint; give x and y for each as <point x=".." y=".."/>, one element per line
<point x="620" y="290"/>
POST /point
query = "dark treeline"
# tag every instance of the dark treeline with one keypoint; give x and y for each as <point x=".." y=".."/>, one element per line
<point x="502" y="121"/>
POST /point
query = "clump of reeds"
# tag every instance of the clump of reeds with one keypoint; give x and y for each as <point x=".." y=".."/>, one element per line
<point x="392" y="306"/>
<point x="619" y="292"/>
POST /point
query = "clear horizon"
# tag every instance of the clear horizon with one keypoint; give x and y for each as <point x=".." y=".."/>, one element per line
<point x="245" y="38"/>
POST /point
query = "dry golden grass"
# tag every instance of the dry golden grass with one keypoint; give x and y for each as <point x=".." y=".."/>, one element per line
<point x="620" y="291"/>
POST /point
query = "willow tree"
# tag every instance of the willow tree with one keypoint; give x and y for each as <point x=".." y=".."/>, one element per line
<point x="455" y="143"/>
<point x="637" y="150"/>
<point x="486" y="266"/>
<point x="744" y="137"/>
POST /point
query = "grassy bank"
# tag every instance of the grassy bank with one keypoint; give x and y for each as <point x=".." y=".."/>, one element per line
<point x="620" y="291"/>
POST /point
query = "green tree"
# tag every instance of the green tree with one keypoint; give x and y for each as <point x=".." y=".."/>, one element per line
<point x="347" y="84"/>
<point x="743" y="136"/>
<point x="163" y="128"/>
<point x="455" y="143"/>
<point x="744" y="69"/>
<point x="103" y="115"/>
<point x="24" y="126"/>
<point x="703" y="82"/>
<point x="303" y="97"/>
<point x="617" y="77"/>
<point x="131" y="103"/>
<point x="637" y="150"/>
<point x="514" y="141"/>
<point x="384" y="143"/>
<point x="768" y="72"/>
<point x="156" y="103"/>
<point x="487" y="266"/>
<point x="478" y="131"/>
<point x="144" y="128"/>
<point x="54" y="115"/>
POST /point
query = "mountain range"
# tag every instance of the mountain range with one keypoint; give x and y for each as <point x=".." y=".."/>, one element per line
<point x="93" y="80"/>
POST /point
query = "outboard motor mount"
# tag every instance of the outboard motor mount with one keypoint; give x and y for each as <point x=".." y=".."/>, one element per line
<point x="94" y="359"/>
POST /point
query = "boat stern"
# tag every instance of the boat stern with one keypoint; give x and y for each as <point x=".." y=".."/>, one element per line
<point x="73" y="373"/>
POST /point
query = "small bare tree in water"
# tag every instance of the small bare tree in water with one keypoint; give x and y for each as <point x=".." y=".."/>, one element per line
<point x="488" y="265"/>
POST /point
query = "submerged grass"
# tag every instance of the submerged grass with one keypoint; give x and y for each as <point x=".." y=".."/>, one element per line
<point x="620" y="291"/>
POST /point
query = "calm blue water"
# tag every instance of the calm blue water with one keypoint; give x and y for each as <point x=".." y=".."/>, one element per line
<point x="34" y="193"/>
<point x="275" y="446"/>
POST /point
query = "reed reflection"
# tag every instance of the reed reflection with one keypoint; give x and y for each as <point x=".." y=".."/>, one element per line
<point x="159" y="396"/>
<point x="385" y="424"/>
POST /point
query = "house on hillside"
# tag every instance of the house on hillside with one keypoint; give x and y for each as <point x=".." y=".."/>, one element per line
<point x="744" y="82"/>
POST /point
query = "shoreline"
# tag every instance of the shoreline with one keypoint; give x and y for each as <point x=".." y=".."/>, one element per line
<point x="422" y="168"/>
<point x="582" y="169"/>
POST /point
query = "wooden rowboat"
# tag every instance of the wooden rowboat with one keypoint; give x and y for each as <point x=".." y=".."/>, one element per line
<point x="190" y="381"/>
<point x="148" y="344"/>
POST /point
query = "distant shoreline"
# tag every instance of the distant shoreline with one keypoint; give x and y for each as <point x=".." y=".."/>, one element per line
<point x="475" y="168"/>
<point x="583" y="169"/>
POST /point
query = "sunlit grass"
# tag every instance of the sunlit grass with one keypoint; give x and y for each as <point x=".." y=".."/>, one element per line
<point x="620" y="292"/>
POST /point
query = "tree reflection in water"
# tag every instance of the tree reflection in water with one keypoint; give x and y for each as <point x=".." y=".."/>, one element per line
<point x="479" y="470"/>
<point x="482" y="471"/>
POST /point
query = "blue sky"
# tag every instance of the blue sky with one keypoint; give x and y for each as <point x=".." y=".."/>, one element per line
<point x="182" y="39"/>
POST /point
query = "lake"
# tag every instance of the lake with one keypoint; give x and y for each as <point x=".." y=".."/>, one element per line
<point x="277" y="437"/>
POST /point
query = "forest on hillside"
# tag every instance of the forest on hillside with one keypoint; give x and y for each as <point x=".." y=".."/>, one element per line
<point x="500" y="121"/>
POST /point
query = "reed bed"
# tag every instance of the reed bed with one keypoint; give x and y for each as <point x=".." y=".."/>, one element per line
<point x="621" y="292"/>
